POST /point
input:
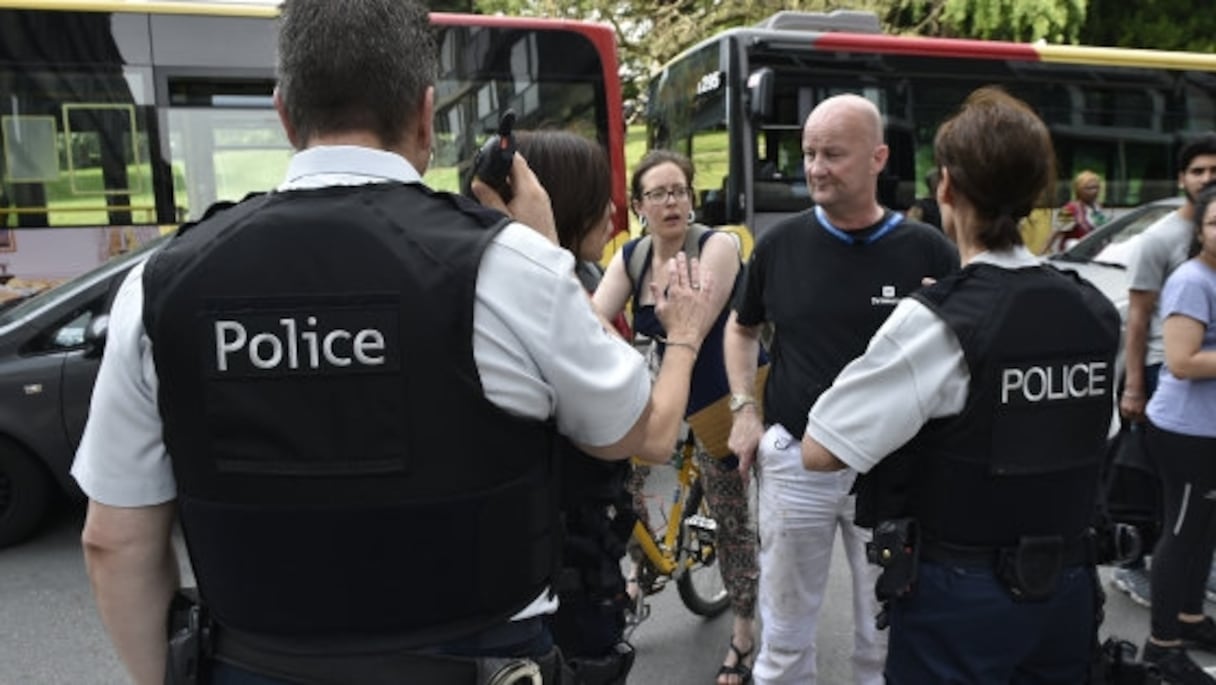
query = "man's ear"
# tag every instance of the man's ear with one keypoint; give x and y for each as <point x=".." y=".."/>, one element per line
<point x="422" y="133"/>
<point x="880" y="158"/>
<point x="281" y="108"/>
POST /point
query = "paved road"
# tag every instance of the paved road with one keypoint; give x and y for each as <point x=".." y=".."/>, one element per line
<point x="50" y="633"/>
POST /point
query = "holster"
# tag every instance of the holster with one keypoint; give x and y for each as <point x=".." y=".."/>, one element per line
<point x="1031" y="570"/>
<point x="611" y="669"/>
<point x="189" y="639"/>
<point x="896" y="548"/>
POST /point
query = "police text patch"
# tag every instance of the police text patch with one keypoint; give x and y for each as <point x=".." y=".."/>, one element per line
<point x="311" y="336"/>
<point x="1053" y="382"/>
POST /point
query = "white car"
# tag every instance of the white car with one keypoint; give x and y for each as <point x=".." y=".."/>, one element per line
<point x="1102" y="256"/>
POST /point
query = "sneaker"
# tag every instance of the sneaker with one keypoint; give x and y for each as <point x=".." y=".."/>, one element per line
<point x="1135" y="582"/>
<point x="1201" y="635"/>
<point x="1175" y="665"/>
<point x="1211" y="588"/>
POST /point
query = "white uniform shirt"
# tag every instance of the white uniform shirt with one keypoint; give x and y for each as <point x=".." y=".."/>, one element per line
<point x="912" y="371"/>
<point x="540" y="350"/>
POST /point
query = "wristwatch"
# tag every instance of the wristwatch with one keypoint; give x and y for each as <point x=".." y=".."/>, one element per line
<point x="739" y="401"/>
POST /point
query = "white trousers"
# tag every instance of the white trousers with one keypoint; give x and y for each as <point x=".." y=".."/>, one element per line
<point x="799" y="512"/>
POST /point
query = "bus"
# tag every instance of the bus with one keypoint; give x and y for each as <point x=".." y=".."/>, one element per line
<point x="735" y="103"/>
<point x="119" y="120"/>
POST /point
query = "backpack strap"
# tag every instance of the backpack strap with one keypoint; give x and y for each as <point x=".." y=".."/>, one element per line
<point x="635" y="258"/>
<point x="637" y="252"/>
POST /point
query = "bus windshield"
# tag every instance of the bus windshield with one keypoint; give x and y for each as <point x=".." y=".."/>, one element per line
<point x="736" y="104"/>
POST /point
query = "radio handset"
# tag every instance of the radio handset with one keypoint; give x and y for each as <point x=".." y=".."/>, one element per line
<point x="493" y="161"/>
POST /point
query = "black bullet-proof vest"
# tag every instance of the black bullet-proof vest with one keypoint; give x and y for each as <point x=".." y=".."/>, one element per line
<point x="339" y="469"/>
<point x="1022" y="458"/>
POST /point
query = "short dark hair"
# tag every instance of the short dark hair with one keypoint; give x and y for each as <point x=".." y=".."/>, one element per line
<point x="1203" y="145"/>
<point x="355" y="65"/>
<point x="1203" y="199"/>
<point x="576" y="174"/>
<point x="1003" y="175"/>
<point x="653" y="159"/>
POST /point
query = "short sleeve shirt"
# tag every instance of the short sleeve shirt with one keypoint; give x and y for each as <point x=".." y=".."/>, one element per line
<point x="912" y="371"/>
<point x="540" y="350"/>
<point x="1161" y="249"/>
<point x="1188" y="406"/>
<point x="826" y="296"/>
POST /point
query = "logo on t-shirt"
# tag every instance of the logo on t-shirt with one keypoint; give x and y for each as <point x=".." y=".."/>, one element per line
<point x="886" y="298"/>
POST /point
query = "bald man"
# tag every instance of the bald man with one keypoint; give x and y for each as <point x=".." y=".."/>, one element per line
<point x="826" y="278"/>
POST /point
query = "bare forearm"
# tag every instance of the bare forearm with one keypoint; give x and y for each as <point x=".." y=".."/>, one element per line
<point x="133" y="578"/>
<point x="741" y="348"/>
<point x="668" y="402"/>
<point x="816" y="457"/>
<point x="1135" y="352"/>
<point x="1198" y="366"/>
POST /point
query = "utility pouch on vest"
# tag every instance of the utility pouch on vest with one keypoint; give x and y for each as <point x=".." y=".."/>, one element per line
<point x="1031" y="570"/>
<point x="896" y="548"/>
<point x="189" y="639"/>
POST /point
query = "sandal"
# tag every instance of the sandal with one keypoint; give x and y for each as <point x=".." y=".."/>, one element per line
<point x="739" y="668"/>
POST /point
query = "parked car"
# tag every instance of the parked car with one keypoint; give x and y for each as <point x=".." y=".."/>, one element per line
<point x="50" y="349"/>
<point x="1102" y="256"/>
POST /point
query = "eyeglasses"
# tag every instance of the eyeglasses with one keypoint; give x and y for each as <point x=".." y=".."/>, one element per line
<point x="658" y="196"/>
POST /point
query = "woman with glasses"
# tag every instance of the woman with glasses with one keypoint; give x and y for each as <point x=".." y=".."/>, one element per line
<point x="661" y="196"/>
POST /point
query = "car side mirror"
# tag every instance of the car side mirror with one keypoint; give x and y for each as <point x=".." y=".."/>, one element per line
<point x="95" y="336"/>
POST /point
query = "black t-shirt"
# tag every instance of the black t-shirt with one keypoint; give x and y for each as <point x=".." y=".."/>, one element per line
<point x="826" y="297"/>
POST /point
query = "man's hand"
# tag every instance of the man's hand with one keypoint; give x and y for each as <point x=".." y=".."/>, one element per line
<point x="1131" y="405"/>
<point x="745" y="432"/>
<point x="685" y="307"/>
<point x="529" y="202"/>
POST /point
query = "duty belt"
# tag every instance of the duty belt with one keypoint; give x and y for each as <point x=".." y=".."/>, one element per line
<point x="388" y="668"/>
<point x="1073" y="553"/>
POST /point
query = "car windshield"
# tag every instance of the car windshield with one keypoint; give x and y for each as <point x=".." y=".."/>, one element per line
<point x="25" y="306"/>
<point x="1095" y="246"/>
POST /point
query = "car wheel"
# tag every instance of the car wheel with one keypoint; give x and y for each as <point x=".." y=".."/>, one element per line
<point x="25" y="494"/>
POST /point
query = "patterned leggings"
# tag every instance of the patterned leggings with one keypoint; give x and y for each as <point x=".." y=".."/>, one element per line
<point x="727" y="499"/>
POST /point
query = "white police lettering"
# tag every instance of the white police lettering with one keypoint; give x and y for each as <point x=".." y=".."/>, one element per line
<point x="1050" y="383"/>
<point x="270" y="349"/>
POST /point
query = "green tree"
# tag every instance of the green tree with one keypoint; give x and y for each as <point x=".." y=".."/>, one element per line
<point x="1057" y="21"/>
<point x="1157" y="24"/>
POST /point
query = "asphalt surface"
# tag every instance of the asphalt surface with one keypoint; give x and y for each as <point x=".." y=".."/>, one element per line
<point x="50" y="633"/>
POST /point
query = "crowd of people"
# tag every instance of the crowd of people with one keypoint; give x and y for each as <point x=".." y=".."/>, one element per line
<point x="425" y="476"/>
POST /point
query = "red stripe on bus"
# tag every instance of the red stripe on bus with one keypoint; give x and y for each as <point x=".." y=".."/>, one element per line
<point x="926" y="47"/>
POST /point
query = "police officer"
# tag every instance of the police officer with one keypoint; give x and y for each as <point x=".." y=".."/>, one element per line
<point x="999" y="379"/>
<point x="348" y="391"/>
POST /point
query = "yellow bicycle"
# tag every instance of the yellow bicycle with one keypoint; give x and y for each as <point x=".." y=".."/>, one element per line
<point x="687" y="550"/>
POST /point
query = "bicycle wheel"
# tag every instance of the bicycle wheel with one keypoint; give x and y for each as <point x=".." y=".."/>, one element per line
<point x="701" y="587"/>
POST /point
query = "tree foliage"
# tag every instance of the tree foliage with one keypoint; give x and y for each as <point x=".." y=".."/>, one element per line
<point x="1158" y="24"/>
<point x="1056" y="21"/>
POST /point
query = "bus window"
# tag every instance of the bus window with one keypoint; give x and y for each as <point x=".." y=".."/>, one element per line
<point x="74" y="146"/>
<point x="225" y="141"/>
